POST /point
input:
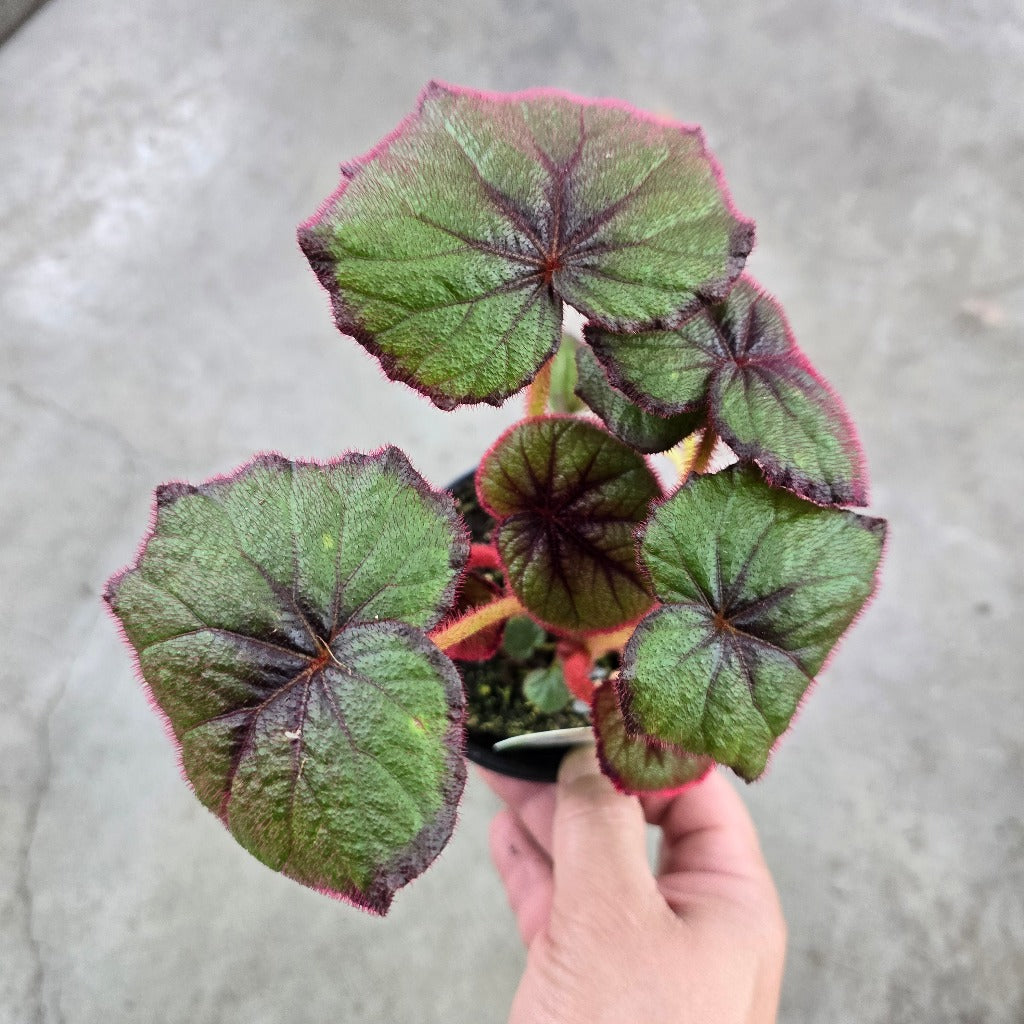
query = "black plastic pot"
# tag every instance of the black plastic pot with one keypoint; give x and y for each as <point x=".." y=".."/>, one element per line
<point x="539" y="765"/>
<point x="534" y="765"/>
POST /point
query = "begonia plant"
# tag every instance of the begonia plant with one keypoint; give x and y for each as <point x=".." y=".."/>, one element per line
<point x="318" y="634"/>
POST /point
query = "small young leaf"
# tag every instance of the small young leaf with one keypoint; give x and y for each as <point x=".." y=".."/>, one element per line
<point x="563" y="398"/>
<point x="522" y="637"/>
<point x="758" y="586"/>
<point x="645" y="431"/>
<point x="449" y="249"/>
<point x="639" y="764"/>
<point x="545" y="689"/>
<point x="568" y="497"/>
<point x="764" y="398"/>
<point x="278" y="618"/>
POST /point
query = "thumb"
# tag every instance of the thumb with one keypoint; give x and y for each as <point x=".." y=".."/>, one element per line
<point x="599" y="843"/>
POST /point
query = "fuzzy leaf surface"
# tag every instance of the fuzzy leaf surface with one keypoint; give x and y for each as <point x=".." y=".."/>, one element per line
<point x="758" y="586"/>
<point x="569" y="497"/>
<point x="638" y="764"/>
<point x="450" y="248"/>
<point x="278" y="616"/>
<point x="739" y="358"/>
<point x="645" y="431"/>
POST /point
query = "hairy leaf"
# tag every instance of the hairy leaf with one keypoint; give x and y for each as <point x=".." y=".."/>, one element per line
<point x="545" y="689"/>
<point x="640" y="764"/>
<point x="758" y="586"/>
<point x="738" y="357"/>
<point x="449" y="249"/>
<point x="645" y="431"/>
<point x="278" y="615"/>
<point x="568" y="497"/>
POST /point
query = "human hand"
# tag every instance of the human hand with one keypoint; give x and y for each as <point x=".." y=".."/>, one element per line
<point x="610" y="943"/>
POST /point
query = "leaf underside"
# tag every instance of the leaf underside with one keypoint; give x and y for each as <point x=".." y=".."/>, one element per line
<point x="638" y="764"/>
<point x="738" y="359"/>
<point x="449" y="249"/>
<point x="568" y="497"/>
<point x="278" y="617"/>
<point x="645" y="431"/>
<point x="757" y="587"/>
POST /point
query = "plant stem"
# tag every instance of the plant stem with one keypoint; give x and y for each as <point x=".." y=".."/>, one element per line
<point x="476" y="620"/>
<point x="538" y="392"/>
<point x="601" y="643"/>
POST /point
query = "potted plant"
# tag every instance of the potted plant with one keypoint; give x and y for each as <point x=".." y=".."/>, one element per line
<point x="319" y="635"/>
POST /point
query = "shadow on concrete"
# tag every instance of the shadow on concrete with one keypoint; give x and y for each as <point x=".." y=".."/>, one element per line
<point x="14" y="13"/>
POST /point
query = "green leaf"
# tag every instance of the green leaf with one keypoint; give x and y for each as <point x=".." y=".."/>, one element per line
<point x="645" y="431"/>
<point x="758" y="586"/>
<point x="562" y="397"/>
<point x="545" y="689"/>
<point x="640" y="764"/>
<point x="449" y="249"/>
<point x="278" y="615"/>
<point x="764" y="399"/>
<point x="522" y="637"/>
<point x="568" y="497"/>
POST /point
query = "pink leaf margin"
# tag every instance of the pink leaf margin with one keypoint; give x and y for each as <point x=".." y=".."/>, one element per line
<point x="554" y="630"/>
<point x="857" y="494"/>
<point x="653" y="743"/>
<point x="432" y="839"/>
<point x="622" y="692"/>
<point x="320" y="260"/>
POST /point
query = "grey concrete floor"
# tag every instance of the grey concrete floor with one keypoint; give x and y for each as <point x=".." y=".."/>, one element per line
<point x="157" y="321"/>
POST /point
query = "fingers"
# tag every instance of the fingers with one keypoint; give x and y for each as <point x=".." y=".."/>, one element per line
<point x="525" y="872"/>
<point x="532" y="802"/>
<point x="711" y="860"/>
<point x="599" y="843"/>
<point x="706" y="829"/>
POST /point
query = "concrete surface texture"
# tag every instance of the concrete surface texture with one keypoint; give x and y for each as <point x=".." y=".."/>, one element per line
<point x="159" y="322"/>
